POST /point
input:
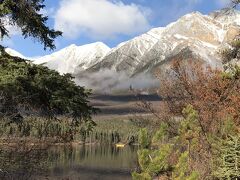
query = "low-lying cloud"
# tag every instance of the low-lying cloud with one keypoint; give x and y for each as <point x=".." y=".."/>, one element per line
<point x="106" y="81"/>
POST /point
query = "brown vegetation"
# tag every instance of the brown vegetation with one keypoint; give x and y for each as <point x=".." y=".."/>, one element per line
<point x="214" y="94"/>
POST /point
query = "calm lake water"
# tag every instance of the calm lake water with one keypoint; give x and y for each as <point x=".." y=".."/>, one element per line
<point x="96" y="162"/>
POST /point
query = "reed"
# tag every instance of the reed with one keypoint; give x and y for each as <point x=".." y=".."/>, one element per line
<point x="106" y="131"/>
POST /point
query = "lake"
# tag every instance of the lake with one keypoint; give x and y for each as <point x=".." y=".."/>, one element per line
<point x="90" y="162"/>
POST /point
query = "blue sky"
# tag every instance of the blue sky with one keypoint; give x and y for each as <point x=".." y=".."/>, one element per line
<point x="109" y="21"/>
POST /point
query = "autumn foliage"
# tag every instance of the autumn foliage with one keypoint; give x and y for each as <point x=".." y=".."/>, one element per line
<point x="213" y="93"/>
<point x="200" y="111"/>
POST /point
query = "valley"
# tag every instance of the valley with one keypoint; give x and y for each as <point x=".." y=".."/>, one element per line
<point x="161" y="104"/>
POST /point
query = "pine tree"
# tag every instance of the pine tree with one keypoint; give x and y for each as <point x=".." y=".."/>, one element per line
<point x="230" y="159"/>
<point x="152" y="162"/>
<point x="26" y="15"/>
<point x="27" y="88"/>
<point x="181" y="170"/>
<point x="190" y="130"/>
<point x="143" y="138"/>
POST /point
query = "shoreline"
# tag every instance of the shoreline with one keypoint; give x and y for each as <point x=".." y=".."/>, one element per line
<point x="42" y="143"/>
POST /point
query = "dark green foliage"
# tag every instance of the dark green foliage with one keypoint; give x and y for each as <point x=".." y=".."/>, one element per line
<point x="235" y="3"/>
<point x="27" y="89"/>
<point x="26" y="15"/>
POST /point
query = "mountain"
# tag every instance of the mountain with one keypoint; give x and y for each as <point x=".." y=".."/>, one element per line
<point x="74" y="58"/>
<point x="192" y="37"/>
<point x="127" y="55"/>
<point x="201" y="35"/>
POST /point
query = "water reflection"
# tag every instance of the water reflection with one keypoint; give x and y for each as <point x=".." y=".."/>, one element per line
<point x="91" y="162"/>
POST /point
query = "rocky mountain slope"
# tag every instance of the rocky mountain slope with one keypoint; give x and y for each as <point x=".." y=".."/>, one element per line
<point x="194" y="36"/>
<point x="202" y="35"/>
<point x="74" y="58"/>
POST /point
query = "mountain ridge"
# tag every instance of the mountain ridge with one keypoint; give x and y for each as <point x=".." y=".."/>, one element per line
<point x="203" y="36"/>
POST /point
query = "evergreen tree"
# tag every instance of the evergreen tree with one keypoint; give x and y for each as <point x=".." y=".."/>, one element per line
<point x="230" y="159"/>
<point x="181" y="170"/>
<point x="143" y="138"/>
<point x="26" y="88"/>
<point x="153" y="161"/>
<point x="162" y="135"/>
<point x="26" y="15"/>
<point x="190" y="130"/>
<point x="235" y="3"/>
<point x="161" y="159"/>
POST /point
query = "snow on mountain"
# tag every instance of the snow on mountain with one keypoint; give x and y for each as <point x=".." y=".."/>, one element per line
<point x="193" y="36"/>
<point x="203" y="35"/>
<point x="14" y="53"/>
<point x="74" y="58"/>
<point x="226" y="16"/>
<point x="127" y="55"/>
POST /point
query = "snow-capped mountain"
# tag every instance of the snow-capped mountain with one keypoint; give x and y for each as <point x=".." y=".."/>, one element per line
<point x="74" y="58"/>
<point x="194" y="36"/>
<point x="202" y="35"/>
<point x="226" y="16"/>
<point x="127" y="55"/>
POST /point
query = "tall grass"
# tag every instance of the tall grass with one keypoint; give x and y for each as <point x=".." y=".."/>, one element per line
<point x="106" y="131"/>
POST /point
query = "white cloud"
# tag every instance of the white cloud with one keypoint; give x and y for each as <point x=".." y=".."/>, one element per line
<point x="100" y="18"/>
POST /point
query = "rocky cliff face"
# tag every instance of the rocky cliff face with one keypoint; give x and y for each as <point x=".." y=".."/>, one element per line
<point x="203" y="35"/>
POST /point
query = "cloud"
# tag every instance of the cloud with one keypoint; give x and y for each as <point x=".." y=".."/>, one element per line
<point x="100" y="18"/>
<point x="107" y="80"/>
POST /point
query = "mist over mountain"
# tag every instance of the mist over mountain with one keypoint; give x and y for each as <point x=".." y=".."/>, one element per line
<point x="135" y="62"/>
